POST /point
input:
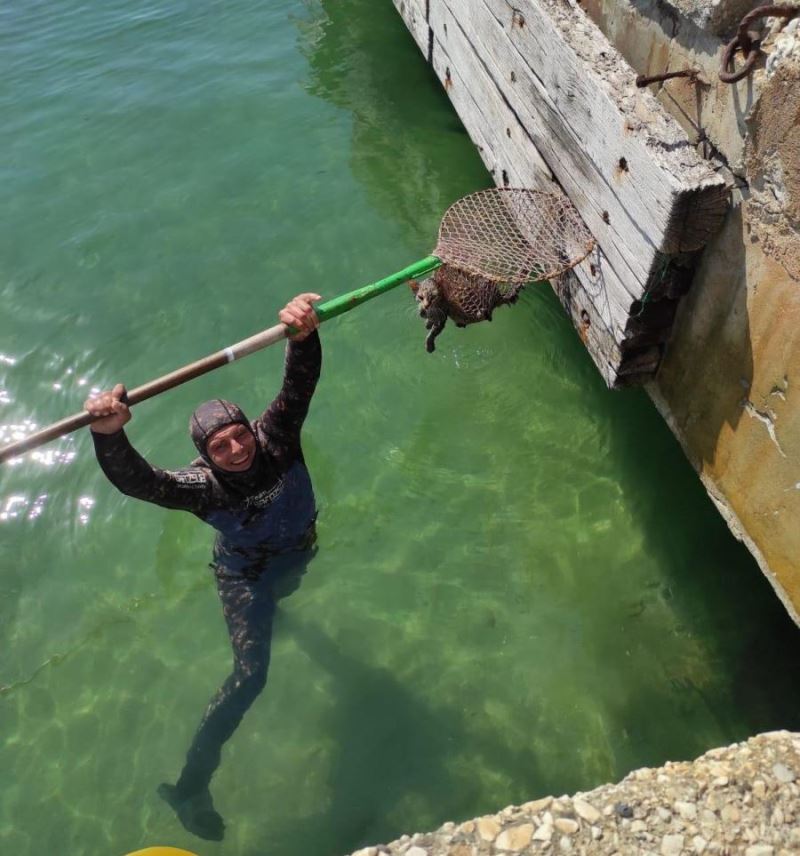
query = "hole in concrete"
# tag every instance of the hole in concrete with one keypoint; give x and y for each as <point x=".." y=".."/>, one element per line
<point x="508" y="133"/>
<point x="606" y="217"/>
<point x="513" y="77"/>
<point x="506" y="181"/>
<point x="593" y="269"/>
<point x="623" y="165"/>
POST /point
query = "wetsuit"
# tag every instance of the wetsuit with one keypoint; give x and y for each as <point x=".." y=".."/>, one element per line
<point x="265" y="522"/>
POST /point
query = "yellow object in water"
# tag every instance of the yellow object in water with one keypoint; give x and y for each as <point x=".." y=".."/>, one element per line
<point x="161" y="851"/>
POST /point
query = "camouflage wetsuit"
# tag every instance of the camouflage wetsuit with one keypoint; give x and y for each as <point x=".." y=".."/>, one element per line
<point x="264" y="519"/>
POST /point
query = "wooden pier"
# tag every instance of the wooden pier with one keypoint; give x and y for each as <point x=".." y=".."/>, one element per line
<point x="546" y="98"/>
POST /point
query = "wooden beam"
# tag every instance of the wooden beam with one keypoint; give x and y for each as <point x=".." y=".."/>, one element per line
<point x="624" y="162"/>
<point x="510" y="154"/>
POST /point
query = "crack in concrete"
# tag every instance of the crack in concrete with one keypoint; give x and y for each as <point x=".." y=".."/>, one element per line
<point x="767" y="417"/>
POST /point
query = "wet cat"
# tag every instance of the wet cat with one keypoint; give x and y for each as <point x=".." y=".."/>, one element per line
<point x="464" y="297"/>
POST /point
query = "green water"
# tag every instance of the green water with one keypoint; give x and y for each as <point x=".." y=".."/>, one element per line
<point x="521" y="588"/>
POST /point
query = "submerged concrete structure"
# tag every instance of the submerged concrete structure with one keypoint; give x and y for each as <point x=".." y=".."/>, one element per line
<point x="691" y="186"/>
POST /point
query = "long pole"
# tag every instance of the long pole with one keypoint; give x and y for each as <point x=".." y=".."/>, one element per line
<point x="325" y="311"/>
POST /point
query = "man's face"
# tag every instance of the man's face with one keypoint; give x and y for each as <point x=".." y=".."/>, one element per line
<point x="232" y="448"/>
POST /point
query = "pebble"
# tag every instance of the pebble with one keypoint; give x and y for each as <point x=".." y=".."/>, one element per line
<point x="671" y="845"/>
<point x="543" y="833"/>
<point x="538" y="805"/>
<point x="515" y="838"/>
<point x="730" y="814"/>
<point x="567" y="825"/>
<point x="585" y="811"/>
<point x="783" y="774"/>
<point x="488" y="828"/>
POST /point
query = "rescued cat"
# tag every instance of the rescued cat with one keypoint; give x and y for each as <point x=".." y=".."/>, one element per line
<point x="466" y="298"/>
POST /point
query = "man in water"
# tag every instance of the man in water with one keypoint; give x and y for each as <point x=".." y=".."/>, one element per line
<point x="251" y="484"/>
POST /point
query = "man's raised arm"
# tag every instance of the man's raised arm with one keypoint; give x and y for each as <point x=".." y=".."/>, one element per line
<point x="128" y="471"/>
<point x="284" y="417"/>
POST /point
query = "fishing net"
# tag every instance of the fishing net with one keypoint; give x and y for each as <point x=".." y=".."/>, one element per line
<point x="492" y="243"/>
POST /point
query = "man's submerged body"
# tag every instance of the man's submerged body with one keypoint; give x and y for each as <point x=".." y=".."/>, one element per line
<point x="262" y="505"/>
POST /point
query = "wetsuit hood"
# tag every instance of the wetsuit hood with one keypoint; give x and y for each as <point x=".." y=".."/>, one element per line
<point x="209" y="418"/>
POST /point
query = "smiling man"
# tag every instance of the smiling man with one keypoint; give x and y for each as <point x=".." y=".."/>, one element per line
<point x="251" y="484"/>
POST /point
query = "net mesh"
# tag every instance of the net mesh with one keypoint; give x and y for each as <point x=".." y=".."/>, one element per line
<point x="491" y="244"/>
<point x="513" y="236"/>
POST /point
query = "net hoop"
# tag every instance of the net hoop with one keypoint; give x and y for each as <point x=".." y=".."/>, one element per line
<point x="513" y="235"/>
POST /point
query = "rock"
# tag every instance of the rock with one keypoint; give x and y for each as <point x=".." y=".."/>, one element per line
<point x="416" y="851"/>
<point x="515" y="838"/>
<point x="687" y="810"/>
<point x="708" y="818"/>
<point x="543" y="833"/>
<point x="488" y="828"/>
<point x="567" y="825"/>
<point x="759" y="789"/>
<point x="366" y="851"/>
<point x="597" y="833"/>
<point x="699" y="844"/>
<point x="623" y="809"/>
<point x="671" y="845"/>
<point x="783" y="774"/>
<point x="586" y="811"/>
<point x="730" y="814"/>
<point x="760" y="850"/>
<point x="664" y="814"/>
<point x="537" y="805"/>
<point x="565" y="844"/>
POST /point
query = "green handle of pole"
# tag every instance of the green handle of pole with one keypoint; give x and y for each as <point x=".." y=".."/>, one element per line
<point x="325" y="311"/>
<point x="339" y="305"/>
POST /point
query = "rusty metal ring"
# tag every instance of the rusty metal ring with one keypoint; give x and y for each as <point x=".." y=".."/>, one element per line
<point x="727" y="61"/>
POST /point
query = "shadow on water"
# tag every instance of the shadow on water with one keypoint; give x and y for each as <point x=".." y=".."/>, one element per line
<point x="720" y="602"/>
<point x="394" y="757"/>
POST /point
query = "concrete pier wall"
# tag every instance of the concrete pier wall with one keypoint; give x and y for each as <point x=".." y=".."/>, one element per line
<point x="719" y="347"/>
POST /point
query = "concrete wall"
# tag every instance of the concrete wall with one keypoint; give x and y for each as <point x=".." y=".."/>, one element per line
<point x="728" y="385"/>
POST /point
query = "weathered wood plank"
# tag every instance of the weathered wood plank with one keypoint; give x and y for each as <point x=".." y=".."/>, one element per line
<point x="582" y="292"/>
<point x="476" y="54"/>
<point x="626" y="165"/>
<point x="415" y="15"/>
<point x="508" y="151"/>
<point x="589" y="325"/>
<point x="575" y="63"/>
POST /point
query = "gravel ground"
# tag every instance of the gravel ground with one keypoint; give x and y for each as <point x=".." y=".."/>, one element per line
<point x="742" y="799"/>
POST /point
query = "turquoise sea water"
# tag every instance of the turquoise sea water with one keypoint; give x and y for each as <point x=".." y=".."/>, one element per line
<point x="522" y="588"/>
